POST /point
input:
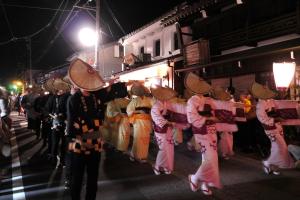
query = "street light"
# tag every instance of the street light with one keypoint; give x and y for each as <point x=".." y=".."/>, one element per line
<point x="87" y="37"/>
<point x="284" y="73"/>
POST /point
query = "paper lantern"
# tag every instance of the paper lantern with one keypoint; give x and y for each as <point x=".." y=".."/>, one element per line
<point x="283" y="74"/>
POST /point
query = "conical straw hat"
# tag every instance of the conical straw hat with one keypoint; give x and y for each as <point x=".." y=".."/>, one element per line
<point x="59" y="84"/>
<point x="220" y="94"/>
<point x="138" y="89"/>
<point x="196" y="84"/>
<point x="261" y="92"/>
<point x="84" y="76"/>
<point x="48" y="85"/>
<point x="162" y="93"/>
<point x="67" y="79"/>
<point x="187" y="94"/>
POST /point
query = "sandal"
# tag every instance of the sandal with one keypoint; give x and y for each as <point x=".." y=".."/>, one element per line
<point x="194" y="187"/>
<point x="267" y="170"/>
<point x="166" y="171"/>
<point x="205" y="190"/>
<point x="156" y="171"/>
<point x="131" y="158"/>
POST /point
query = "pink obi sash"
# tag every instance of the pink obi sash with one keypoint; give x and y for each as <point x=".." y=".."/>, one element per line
<point x="225" y="116"/>
<point x="159" y="129"/>
<point x="288" y="113"/>
<point x="267" y="127"/>
<point x="176" y="117"/>
<point x="288" y="110"/>
<point x="227" y="122"/>
<point x="205" y="129"/>
<point x="240" y="115"/>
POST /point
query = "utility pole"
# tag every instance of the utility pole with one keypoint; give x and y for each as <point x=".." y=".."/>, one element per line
<point x="30" y="62"/>
<point x="98" y="36"/>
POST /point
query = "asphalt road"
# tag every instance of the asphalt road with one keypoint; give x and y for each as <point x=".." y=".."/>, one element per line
<point x="30" y="176"/>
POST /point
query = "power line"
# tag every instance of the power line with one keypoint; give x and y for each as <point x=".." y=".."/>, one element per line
<point x="6" y="18"/>
<point x="58" y="33"/>
<point x="35" y="33"/>
<point x="61" y="14"/>
<point x="56" y="27"/>
<point x="94" y="18"/>
<point x="8" y="41"/>
<point x="35" y="7"/>
<point x="114" y="17"/>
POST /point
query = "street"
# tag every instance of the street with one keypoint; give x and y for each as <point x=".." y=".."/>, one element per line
<point x="33" y="177"/>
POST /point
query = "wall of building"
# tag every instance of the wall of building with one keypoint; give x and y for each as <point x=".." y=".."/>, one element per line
<point x="108" y="63"/>
<point x="147" y="37"/>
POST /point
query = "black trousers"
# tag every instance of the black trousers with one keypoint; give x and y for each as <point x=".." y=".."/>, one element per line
<point x="80" y="162"/>
<point x="57" y="137"/>
<point x="68" y="161"/>
<point x="46" y="130"/>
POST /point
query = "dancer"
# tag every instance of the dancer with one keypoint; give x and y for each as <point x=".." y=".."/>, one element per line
<point x="83" y="125"/>
<point x="139" y="112"/>
<point x="225" y="112"/>
<point x="204" y="130"/>
<point x="119" y="123"/>
<point x="279" y="157"/>
<point x="163" y="129"/>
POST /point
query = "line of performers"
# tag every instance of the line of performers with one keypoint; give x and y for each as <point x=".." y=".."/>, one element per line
<point x="206" y="116"/>
<point x="95" y="116"/>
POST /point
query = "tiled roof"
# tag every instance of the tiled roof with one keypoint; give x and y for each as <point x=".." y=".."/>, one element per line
<point x="178" y="12"/>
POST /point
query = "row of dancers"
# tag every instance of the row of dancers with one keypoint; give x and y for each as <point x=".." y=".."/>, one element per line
<point x="166" y="114"/>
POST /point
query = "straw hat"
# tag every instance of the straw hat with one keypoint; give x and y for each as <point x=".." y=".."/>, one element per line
<point x="196" y="84"/>
<point x="220" y="94"/>
<point x="261" y="92"/>
<point x="48" y="85"/>
<point x="138" y="89"/>
<point x="163" y="93"/>
<point x="84" y="76"/>
<point x="67" y="79"/>
<point x="59" y="84"/>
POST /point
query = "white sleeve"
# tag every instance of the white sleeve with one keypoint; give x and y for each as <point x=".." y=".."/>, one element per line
<point x="192" y="112"/>
<point x="262" y="114"/>
<point x="156" y="114"/>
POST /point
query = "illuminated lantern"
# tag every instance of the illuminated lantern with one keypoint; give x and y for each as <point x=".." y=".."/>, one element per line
<point x="283" y="74"/>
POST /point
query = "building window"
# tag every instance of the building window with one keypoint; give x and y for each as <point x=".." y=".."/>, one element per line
<point x="142" y="50"/>
<point x="176" y="46"/>
<point x="157" y="48"/>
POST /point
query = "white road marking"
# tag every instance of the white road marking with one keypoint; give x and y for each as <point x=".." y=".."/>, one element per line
<point x="18" y="188"/>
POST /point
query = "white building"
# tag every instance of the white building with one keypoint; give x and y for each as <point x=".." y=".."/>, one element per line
<point x="152" y="47"/>
<point x="108" y="63"/>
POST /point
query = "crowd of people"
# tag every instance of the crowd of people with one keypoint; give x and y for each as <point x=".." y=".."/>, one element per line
<point x="79" y="117"/>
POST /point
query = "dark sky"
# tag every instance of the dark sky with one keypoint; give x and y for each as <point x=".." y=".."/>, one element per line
<point x="52" y="44"/>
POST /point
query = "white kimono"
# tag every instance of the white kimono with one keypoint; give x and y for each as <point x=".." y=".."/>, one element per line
<point x="279" y="156"/>
<point x="225" y="112"/>
<point x="205" y="136"/>
<point x="163" y="136"/>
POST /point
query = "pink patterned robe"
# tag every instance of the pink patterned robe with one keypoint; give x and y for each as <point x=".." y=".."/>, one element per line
<point x="177" y="114"/>
<point x="164" y="137"/>
<point x="205" y="135"/>
<point x="225" y="112"/>
<point x="279" y="156"/>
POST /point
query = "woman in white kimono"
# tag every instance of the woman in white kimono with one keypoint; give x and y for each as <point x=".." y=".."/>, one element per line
<point x="178" y="115"/>
<point x="225" y="111"/>
<point x="163" y="129"/>
<point x="279" y="157"/>
<point x="138" y="111"/>
<point x="204" y="130"/>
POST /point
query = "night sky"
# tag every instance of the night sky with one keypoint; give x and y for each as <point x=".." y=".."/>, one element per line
<point x="52" y="44"/>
